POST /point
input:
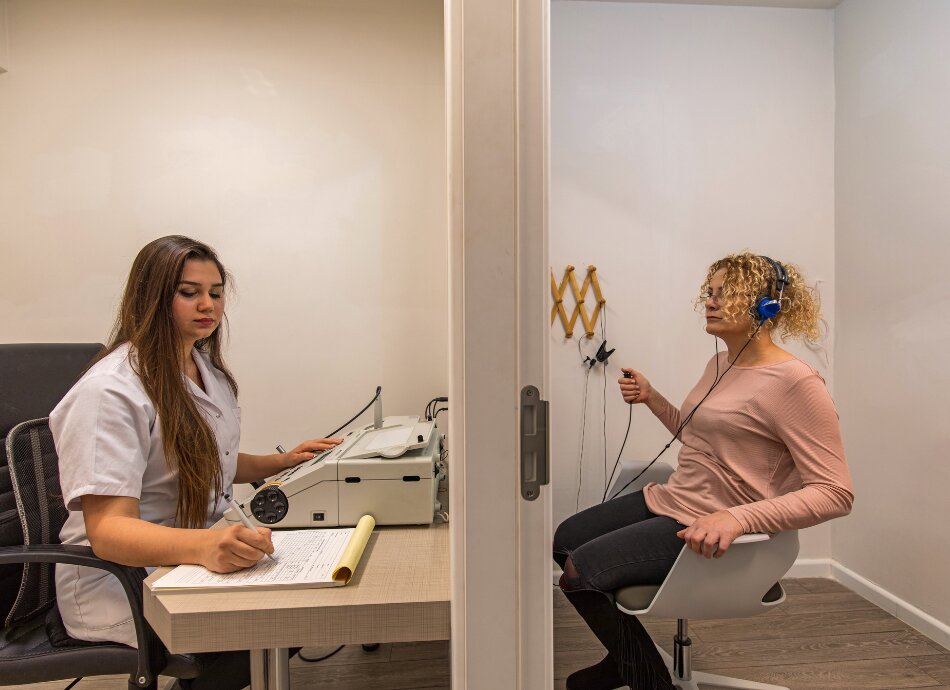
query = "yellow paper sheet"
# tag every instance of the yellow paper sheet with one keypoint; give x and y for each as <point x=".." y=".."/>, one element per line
<point x="354" y="549"/>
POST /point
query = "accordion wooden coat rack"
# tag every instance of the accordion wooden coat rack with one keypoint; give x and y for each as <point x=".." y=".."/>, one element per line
<point x="580" y="309"/>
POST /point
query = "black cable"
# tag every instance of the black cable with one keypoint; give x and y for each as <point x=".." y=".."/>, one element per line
<point x="325" y="656"/>
<point x="379" y="390"/>
<point x="605" y="428"/>
<point x="716" y="346"/>
<point x="580" y="461"/>
<point x="626" y="434"/>
<point x="603" y="333"/>
<point x="73" y="683"/>
<point x="435" y="415"/>
<point x="431" y="405"/>
<point x="693" y="411"/>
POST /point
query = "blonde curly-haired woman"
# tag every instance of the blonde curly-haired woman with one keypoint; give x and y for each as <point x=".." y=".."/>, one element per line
<point x="761" y="452"/>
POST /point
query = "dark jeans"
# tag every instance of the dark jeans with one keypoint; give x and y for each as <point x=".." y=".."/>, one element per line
<point x="614" y="545"/>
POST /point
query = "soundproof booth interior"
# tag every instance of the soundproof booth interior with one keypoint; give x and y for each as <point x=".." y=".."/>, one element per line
<point x="473" y="258"/>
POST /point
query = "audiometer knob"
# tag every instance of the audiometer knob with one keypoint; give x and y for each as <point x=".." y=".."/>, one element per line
<point x="269" y="506"/>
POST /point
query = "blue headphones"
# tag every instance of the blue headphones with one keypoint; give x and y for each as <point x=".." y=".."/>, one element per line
<point x="767" y="306"/>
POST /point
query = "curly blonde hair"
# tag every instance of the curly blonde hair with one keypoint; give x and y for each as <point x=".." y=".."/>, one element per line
<point x="749" y="277"/>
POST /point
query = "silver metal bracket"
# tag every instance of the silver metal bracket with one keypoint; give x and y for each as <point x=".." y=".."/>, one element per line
<point x="535" y="465"/>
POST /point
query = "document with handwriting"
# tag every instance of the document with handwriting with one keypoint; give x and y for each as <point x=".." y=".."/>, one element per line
<point x="304" y="559"/>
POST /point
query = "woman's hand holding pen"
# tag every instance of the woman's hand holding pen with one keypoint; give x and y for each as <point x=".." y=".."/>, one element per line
<point x="235" y="548"/>
<point x="634" y="386"/>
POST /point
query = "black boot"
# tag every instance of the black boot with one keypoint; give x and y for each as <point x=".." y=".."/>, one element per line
<point x="600" y="676"/>
<point x="630" y="651"/>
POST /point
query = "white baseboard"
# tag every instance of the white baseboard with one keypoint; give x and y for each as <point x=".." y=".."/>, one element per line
<point x="828" y="568"/>
<point x="936" y="630"/>
<point x="811" y="567"/>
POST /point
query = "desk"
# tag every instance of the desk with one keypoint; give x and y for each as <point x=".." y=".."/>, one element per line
<point x="400" y="593"/>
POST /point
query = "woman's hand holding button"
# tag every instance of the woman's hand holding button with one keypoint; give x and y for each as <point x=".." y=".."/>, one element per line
<point x="634" y="386"/>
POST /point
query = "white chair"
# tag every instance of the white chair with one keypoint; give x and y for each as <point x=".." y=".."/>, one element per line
<point x="744" y="582"/>
<point x="658" y="472"/>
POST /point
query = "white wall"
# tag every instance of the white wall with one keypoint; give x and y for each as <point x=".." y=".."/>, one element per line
<point x="679" y="134"/>
<point x="303" y="139"/>
<point x="892" y="249"/>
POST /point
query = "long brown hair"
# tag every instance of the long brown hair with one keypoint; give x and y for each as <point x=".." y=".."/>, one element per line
<point x="145" y="322"/>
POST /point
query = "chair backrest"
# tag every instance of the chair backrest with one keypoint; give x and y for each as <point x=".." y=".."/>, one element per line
<point x="633" y="476"/>
<point x="34" y="472"/>
<point x="34" y="377"/>
<point x="733" y="586"/>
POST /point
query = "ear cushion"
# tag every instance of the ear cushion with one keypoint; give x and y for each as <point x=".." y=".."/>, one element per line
<point x="767" y="308"/>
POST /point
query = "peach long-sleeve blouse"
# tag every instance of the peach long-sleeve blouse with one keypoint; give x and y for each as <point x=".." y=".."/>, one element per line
<point x="765" y="445"/>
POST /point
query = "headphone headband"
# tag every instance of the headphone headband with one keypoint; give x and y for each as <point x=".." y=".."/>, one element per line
<point x="767" y="306"/>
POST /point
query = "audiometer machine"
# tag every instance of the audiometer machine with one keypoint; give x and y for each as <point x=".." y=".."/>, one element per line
<point x="390" y="470"/>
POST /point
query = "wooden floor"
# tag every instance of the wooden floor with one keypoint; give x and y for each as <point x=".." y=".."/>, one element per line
<point x="823" y="637"/>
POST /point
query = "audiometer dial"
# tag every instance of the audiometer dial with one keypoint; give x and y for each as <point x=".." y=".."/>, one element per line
<point x="269" y="505"/>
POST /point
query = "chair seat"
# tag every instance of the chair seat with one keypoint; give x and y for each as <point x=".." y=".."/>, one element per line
<point x="27" y="656"/>
<point x="636" y="598"/>
<point x="639" y="597"/>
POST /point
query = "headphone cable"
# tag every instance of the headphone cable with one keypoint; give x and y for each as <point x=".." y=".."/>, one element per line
<point x="689" y="417"/>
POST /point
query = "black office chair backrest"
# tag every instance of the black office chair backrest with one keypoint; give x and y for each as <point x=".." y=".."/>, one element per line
<point x="34" y="472"/>
<point x="34" y="377"/>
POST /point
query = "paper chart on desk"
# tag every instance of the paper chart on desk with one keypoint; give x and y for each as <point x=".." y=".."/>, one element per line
<point x="305" y="558"/>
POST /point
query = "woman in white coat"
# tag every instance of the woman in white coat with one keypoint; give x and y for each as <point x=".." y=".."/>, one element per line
<point x="148" y="447"/>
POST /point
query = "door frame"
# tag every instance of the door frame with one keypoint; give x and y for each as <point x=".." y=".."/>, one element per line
<point x="497" y="141"/>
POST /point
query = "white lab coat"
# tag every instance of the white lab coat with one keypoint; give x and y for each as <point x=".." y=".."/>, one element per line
<point x="109" y="443"/>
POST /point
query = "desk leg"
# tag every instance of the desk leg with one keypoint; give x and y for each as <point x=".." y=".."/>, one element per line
<point x="270" y="669"/>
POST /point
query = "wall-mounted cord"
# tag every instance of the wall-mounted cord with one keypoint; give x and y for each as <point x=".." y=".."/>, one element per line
<point x="601" y="357"/>
<point x="580" y="460"/>
<point x="603" y="333"/>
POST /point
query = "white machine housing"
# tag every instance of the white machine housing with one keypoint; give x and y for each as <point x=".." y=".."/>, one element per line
<point x="391" y="473"/>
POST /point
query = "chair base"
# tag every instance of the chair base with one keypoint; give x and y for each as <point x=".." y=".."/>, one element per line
<point x="711" y="679"/>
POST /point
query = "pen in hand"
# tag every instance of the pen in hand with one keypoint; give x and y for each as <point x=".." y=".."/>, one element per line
<point x="244" y="520"/>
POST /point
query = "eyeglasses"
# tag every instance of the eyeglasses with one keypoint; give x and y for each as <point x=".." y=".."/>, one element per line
<point x="715" y="298"/>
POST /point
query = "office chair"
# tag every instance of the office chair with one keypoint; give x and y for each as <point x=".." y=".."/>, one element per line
<point x="33" y="379"/>
<point x="34" y="645"/>
<point x="744" y="582"/>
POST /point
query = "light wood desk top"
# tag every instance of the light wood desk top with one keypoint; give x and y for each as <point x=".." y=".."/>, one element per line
<point x="400" y="593"/>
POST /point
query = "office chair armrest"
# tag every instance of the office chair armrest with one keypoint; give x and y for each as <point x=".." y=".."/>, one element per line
<point x="751" y="538"/>
<point x="151" y="654"/>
